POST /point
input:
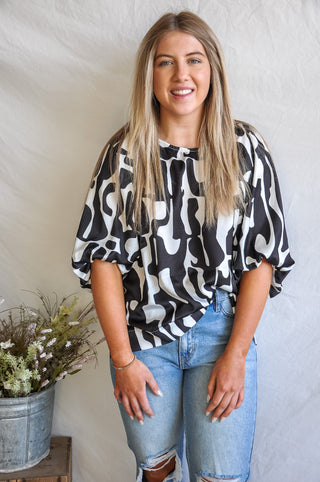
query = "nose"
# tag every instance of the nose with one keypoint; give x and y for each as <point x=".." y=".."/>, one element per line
<point x="181" y="72"/>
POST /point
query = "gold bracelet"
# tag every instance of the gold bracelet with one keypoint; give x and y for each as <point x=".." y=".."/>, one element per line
<point x="126" y="366"/>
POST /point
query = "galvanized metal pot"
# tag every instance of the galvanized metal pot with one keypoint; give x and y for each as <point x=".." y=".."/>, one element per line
<point x="25" y="430"/>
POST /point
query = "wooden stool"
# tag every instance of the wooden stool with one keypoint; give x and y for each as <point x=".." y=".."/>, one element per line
<point x="56" y="467"/>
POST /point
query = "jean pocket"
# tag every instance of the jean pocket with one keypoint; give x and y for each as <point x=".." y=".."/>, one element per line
<point x="226" y="307"/>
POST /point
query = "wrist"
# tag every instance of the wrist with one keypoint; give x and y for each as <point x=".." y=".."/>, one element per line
<point x="128" y="365"/>
<point x="121" y="359"/>
<point x="236" y="351"/>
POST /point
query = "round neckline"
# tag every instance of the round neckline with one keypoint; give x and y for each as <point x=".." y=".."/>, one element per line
<point x="167" y="144"/>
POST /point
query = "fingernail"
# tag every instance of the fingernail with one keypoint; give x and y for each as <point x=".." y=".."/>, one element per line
<point x="222" y="419"/>
<point x="141" y="422"/>
<point x="131" y="417"/>
<point x="207" y="414"/>
<point x="214" y="420"/>
<point x="159" y="392"/>
<point x="208" y="398"/>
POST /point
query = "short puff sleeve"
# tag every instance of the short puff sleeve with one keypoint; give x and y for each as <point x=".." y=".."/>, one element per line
<point x="106" y="231"/>
<point x="261" y="231"/>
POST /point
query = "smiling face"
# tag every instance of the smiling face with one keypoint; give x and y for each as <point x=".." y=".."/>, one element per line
<point x="181" y="78"/>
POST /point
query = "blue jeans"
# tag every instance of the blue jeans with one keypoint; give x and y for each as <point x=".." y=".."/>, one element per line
<point x="216" y="451"/>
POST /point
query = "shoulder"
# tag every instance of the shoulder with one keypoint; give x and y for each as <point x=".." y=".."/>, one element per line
<point x="251" y="146"/>
<point x="113" y="155"/>
<point x="248" y="134"/>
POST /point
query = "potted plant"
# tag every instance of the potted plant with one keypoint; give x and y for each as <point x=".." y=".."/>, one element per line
<point x="38" y="347"/>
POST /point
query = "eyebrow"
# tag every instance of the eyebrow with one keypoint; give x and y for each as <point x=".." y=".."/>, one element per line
<point x="172" y="56"/>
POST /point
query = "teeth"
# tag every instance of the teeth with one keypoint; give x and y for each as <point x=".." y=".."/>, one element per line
<point x="182" y="92"/>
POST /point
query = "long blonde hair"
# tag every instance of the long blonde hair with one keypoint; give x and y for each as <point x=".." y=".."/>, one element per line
<point x="217" y="141"/>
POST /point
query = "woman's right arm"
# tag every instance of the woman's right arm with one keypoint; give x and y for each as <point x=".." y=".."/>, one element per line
<point x="130" y="386"/>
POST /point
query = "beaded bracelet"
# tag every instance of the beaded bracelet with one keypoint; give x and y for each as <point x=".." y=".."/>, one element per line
<point x="126" y="366"/>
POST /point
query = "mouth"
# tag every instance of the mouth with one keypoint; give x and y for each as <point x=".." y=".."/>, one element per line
<point x="181" y="92"/>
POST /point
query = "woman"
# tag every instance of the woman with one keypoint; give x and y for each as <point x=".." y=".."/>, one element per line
<point x="181" y="240"/>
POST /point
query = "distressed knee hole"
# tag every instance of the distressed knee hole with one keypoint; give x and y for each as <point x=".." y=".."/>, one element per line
<point x="159" y="467"/>
<point x="159" y="462"/>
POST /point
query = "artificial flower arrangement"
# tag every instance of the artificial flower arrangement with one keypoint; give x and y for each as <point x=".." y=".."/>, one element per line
<point x="39" y="347"/>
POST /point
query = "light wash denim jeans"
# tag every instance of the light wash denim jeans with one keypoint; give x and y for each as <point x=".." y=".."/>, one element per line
<point x="217" y="451"/>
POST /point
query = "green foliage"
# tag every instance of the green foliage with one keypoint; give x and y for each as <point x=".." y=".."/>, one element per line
<point x="41" y="346"/>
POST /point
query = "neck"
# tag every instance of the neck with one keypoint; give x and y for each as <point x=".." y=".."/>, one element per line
<point x="182" y="134"/>
<point x="180" y="138"/>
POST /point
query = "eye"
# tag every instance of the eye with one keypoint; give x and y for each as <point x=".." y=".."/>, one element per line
<point x="165" y="62"/>
<point x="194" y="61"/>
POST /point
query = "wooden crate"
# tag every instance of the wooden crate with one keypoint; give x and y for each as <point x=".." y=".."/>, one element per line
<point x="56" y="467"/>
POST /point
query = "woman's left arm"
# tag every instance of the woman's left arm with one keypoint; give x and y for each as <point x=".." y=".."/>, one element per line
<point x="226" y="384"/>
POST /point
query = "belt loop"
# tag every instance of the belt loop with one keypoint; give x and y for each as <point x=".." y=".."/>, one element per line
<point x="216" y="301"/>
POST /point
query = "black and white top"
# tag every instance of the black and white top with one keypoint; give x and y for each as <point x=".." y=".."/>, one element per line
<point x="170" y="272"/>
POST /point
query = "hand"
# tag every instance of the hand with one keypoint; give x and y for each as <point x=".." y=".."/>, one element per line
<point x="130" y="389"/>
<point x="226" y="386"/>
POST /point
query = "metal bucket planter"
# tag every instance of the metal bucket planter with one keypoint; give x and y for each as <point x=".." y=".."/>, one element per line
<point x="25" y="430"/>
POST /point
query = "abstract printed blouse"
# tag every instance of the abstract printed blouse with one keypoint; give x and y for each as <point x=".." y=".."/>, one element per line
<point x="170" y="273"/>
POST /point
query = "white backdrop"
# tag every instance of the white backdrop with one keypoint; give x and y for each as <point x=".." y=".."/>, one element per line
<point x="66" y="69"/>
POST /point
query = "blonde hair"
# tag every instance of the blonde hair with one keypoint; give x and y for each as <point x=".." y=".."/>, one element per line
<point x="217" y="141"/>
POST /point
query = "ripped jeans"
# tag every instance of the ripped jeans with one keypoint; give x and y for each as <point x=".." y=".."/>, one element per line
<point x="215" y="451"/>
